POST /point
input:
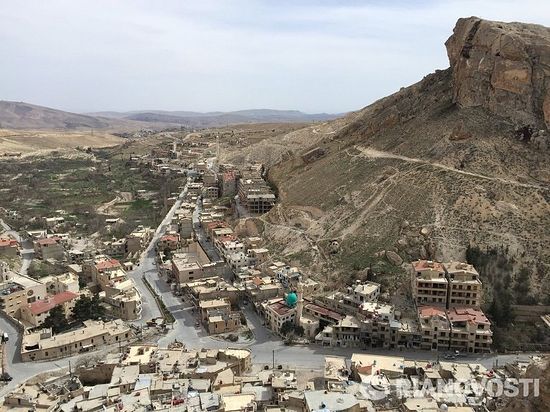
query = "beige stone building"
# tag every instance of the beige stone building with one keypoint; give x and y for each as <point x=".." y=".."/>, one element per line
<point x="206" y="306"/>
<point x="8" y="246"/>
<point x="34" y="314"/>
<point x="277" y="312"/>
<point x="124" y="299"/>
<point x="118" y="290"/>
<point x="19" y="291"/>
<point x="211" y="288"/>
<point x="169" y="241"/>
<point x="257" y="256"/>
<point x="192" y="264"/>
<point x="67" y="282"/>
<point x="429" y="283"/>
<point x="138" y="240"/>
<point x="470" y="330"/>
<point x="465" y="288"/>
<point x="434" y="327"/>
<point x="49" y="248"/>
<point x="95" y="334"/>
<point x="220" y="321"/>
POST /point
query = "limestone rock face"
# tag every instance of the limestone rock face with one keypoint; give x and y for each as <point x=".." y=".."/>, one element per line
<point x="503" y="67"/>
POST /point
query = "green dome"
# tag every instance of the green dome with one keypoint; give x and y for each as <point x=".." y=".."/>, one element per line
<point x="291" y="299"/>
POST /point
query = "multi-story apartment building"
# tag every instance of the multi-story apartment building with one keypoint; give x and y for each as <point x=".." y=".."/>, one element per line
<point x="118" y="290"/>
<point x="210" y="192"/>
<point x="66" y="282"/>
<point x="34" y="314"/>
<point x="211" y="288"/>
<point x="429" y="283"/>
<point x="346" y="333"/>
<point x="8" y="246"/>
<point x="470" y="330"/>
<point x="362" y="292"/>
<point x="376" y="326"/>
<point x="18" y="291"/>
<point x="169" y="241"/>
<point x="255" y="194"/>
<point x="465" y="288"/>
<point x="434" y="327"/>
<point x="446" y="284"/>
<point x="183" y="217"/>
<point x="277" y="312"/>
<point x="257" y="256"/>
<point x="13" y="296"/>
<point x="229" y="183"/>
<point x="116" y="248"/>
<point x="139" y="239"/>
<point x="49" y="248"/>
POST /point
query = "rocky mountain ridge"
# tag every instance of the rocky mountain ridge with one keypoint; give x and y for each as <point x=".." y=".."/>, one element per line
<point x="458" y="159"/>
<point x="503" y="67"/>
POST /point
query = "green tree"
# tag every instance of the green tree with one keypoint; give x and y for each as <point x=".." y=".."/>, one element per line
<point x="290" y="328"/>
<point x="88" y="308"/>
<point x="56" y="320"/>
<point x="286" y="328"/>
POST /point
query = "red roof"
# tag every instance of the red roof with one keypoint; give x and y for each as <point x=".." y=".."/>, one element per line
<point x="427" y="264"/>
<point x="169" y="238"/>
<point x="8" y="242"/>
<point x="280" y="308"/>
<point x="48" y="241"/>
<point x="107" y="264"/>
<point x="258" y="281"/>
<point x="229" y="175"/>
<point x="430" y="311"/>
<point x="467" y="315"/>
<point x="324" y="311"/>
<point x="216" y="225"/>
<point x="41" y="306"/>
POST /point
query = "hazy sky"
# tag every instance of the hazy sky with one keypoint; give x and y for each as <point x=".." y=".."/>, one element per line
<point x="315" y="56"/>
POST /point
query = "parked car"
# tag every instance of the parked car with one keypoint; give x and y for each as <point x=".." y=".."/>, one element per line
<point x="5" y="377"/>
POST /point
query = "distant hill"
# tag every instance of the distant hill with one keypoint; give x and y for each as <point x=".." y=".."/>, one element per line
<point x="20" y="115"/>
<point x="214" y="119"/>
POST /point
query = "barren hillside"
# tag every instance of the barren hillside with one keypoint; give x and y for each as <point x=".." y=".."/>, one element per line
<point x="27" y="141"/>
<point x="460" y="158"/>
<point x="18" y="115"/>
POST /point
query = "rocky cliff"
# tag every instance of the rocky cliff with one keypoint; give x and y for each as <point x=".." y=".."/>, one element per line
<point x="454" y="160"/>
<point x="503" y="67"/>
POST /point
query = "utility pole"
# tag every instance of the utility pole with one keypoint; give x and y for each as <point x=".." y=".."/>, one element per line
<point x="273" y="359"/>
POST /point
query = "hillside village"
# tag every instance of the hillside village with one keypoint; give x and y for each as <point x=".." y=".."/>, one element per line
<point x="389" y="259"/>
<point x="117" y="297"/>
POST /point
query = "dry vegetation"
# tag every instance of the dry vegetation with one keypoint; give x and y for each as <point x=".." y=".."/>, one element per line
<point x="30" y="141"/>
<point x="81" y="182"/>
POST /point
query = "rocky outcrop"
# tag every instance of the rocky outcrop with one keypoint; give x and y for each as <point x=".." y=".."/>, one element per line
<point x="503" y="67"/>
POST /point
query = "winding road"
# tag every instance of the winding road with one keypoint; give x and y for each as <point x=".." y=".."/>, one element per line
<point x="369" y="152"/>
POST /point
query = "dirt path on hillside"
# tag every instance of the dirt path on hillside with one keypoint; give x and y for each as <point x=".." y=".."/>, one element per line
<point x="121" y="197"/>
<point x="377" y="154"/>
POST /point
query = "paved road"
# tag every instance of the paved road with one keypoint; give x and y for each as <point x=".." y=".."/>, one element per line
<point x="148" y="268"/>
<point x="27" y="250"/>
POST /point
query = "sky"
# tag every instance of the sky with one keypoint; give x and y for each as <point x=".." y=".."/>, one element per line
<point x="206" y="55"/>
